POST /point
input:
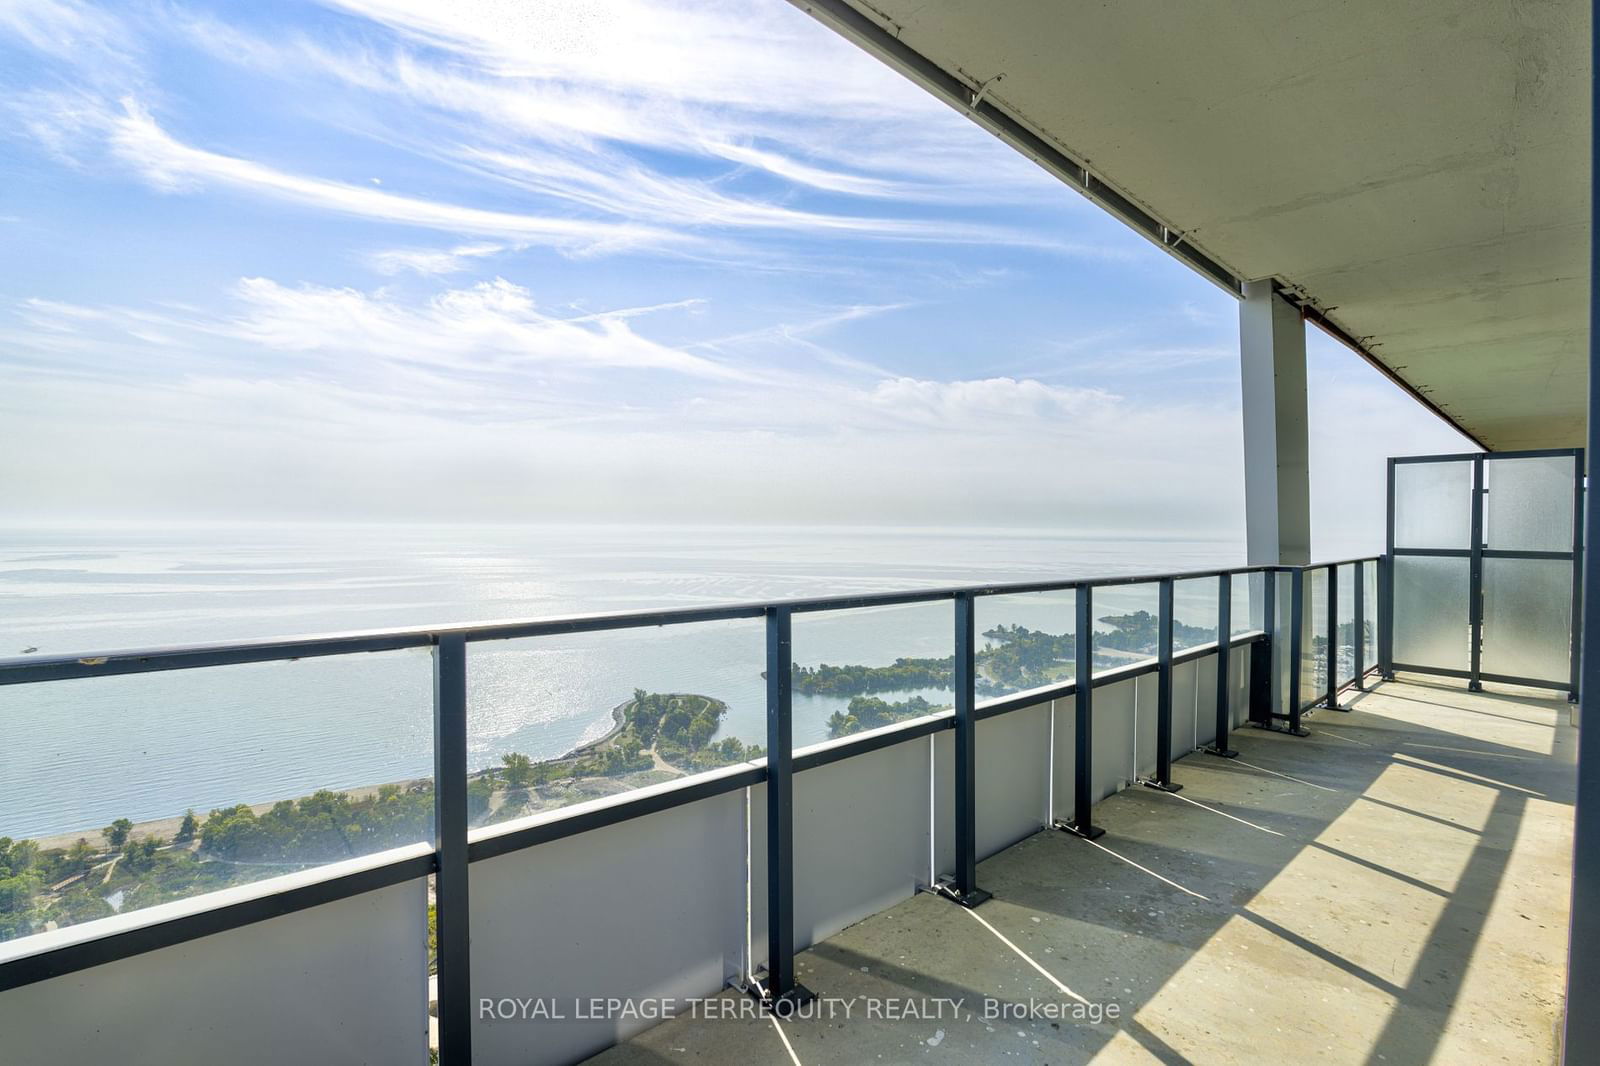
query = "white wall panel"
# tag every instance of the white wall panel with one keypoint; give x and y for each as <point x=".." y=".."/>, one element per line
<point x="649" y="908"/>
<point x="342" y="983"/>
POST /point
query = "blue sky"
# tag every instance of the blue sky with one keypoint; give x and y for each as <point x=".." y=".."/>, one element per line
<point x="519" y="260"/>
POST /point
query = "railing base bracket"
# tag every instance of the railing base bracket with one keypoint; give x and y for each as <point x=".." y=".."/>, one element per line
<point x="1290" y="731"/>
<point x="970" y="899"/>
<point x="1087" y="832"/>
<point x="1221" y="753"/>
<point x="1159" y="786"/>
<point x="783" y="1006"/>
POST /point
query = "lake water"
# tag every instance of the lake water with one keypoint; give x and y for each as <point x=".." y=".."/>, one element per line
<point x="77" y="754"/>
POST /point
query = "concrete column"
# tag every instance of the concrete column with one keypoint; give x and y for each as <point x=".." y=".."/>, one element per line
<point x="1277" y="480"/>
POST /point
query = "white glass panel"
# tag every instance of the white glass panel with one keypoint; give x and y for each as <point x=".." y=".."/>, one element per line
<point x="1527" y="618"/>
<point x="1433" y="505"/>
<point x="1430" y="612"/>
<point x="1528" y="503"/>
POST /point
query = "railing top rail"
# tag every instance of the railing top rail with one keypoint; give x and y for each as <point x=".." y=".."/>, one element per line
<point x="28" y="669"/>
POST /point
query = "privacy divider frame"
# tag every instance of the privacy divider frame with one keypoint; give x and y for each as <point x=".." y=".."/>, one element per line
<point x="1475" y="553"/>
<point x="454" y="847"/>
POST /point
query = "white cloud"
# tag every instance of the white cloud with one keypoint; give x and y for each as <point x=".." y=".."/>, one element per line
<point x="431" y="261"/>
<point x="165" y="162"/>
<point x="758" y="86"/>
<point x="488" y="333"/>
<point x="990" y="401"/>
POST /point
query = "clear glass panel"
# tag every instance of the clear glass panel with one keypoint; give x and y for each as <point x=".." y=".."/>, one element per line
<point x="1527" y="619"/>
<point x="1281" y="665"/>
<point x="1430" y="612"/>
<point x="1433" y="505"/>
<point x="1124" y="625"/>
<point x="858" y="670"/>
<point x="1370" y="580"/>
<point x="1314" y="639"/>
<point x="1528" y="503"/>
<point x="1025" y="641"/>
<point x="120" y="793"/>
<point x="1345" y="645"/>
<point x="1249" y="602"/>
<point x="553" y="721"/>
<point x="1194" y="612"/>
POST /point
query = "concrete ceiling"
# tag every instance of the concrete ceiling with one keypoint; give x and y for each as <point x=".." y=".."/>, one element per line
<point x="1417" y="172"/>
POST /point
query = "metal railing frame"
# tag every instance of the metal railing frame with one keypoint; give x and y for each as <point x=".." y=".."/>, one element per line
<point x="454" y="846"/>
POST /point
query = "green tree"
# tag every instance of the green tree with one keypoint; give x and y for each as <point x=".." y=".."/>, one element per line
<point x="141" y="854"/>
<point x="187" y="828"/>
<point x="117" y="832"/>
<point x="19" y="884"/>
<point x="80" y="856"/>
<point x="518" y="769"/>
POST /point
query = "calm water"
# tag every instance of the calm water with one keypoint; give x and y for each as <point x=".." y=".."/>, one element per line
<point x="76" y="755"/>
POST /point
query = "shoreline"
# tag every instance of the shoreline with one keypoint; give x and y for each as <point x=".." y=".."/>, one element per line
<point x="166" y="828"/>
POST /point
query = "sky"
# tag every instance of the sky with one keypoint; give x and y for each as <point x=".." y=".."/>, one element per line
<point x="511" y="260"/>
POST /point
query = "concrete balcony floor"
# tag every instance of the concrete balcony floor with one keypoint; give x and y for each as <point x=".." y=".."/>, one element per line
<point x="1391" y="889"/>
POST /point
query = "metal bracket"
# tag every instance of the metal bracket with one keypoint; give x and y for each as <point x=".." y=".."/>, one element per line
<point x="1086" y="832"/>
<point x="1160" y="786"/>
<point x="946" y="887"/>
<point x="784" y="1006"/>
<point x="1272" y="728"/>
<point x="1221" y="753"/>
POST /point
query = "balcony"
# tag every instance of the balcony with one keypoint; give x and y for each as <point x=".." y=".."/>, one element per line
<point x="1293" y="825"/>
<point x="1348" y="868"/>
<point x="1371" y="893"/>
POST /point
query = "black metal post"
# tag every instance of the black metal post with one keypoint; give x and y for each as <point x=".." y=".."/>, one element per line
<point x="781" y="992"/>
<point x="1219" y="745"/>
<point x="1163" y="779"/>
<point x="964" y="887"/>
<point x="452" y="923"/>
<point x="1358" y="646"/>
<point x="1386" y="591"/>
<point x="1082" y="823"/>
<point x="1297" y="619"/>
<point x="1269" y="615"/>
<point x="1332" y="699"/>
<point x="1576" y="655"/>
<point x="1475" y="592"/>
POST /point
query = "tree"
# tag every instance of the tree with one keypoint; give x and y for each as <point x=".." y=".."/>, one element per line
<point x="80" y="855"/>
<point x="518" y="769"/>
<point x="117" y="832"/>
<point x="187" y="828"/>
<point x="141" y="854"/>
<point x="19" y="881"/>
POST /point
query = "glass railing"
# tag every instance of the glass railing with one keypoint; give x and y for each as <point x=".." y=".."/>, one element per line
<point x="144" y="806"/>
